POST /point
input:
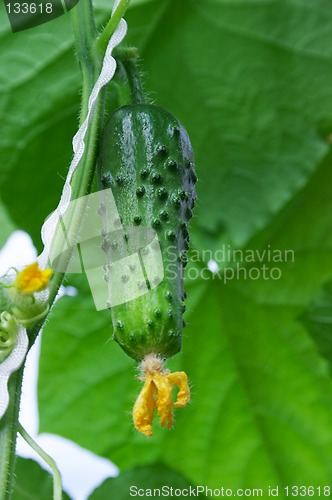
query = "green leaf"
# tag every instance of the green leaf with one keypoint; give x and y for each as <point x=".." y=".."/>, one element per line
<point x="250" y="81"/>
<point x="260" y="390"/>
<point x="259" y="386"/>
<point x="145" y="482"/>
<point x="33" y="482"/>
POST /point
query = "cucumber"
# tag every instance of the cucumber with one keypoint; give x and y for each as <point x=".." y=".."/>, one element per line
<point x="147" y="160"/>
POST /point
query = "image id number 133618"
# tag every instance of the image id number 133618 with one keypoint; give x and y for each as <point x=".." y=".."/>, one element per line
<point x="307" y="491"/>
<point x="29" y="8"/>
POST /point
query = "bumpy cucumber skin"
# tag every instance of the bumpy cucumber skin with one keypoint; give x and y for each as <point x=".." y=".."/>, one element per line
<point x="147" y="160"/>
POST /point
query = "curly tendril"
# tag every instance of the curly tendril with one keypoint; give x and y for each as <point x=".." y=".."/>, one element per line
<point x="8" y="332"/>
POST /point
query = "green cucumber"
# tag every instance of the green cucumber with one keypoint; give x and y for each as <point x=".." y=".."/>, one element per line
<point x="147" y="160"/>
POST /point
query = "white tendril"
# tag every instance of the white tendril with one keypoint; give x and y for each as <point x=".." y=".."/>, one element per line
<point x="107" y="73"/>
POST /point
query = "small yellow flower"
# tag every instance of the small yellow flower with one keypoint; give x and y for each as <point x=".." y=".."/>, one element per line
<point x="157" y="393"/>
<point x="32" y="279"/>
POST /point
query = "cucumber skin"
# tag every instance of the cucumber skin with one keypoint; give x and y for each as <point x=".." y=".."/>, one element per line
<point x="147" y="160"/>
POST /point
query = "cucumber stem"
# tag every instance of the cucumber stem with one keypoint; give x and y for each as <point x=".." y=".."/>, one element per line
<point x="134" y="80"/>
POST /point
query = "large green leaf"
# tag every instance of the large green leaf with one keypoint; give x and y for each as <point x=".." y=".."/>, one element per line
<point x="251" y="81"/>
<point x="261" y="411"/>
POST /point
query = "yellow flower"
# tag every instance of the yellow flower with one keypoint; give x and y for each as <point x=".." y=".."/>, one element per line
<point x="157" y="393"/>
<point x="32" y="279"/>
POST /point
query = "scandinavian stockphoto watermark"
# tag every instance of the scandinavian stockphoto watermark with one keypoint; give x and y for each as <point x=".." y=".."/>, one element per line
<point x="228" y="263"/>
<point x="123" y="263"/>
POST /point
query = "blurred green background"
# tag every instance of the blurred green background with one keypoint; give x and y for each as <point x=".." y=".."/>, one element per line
<point x="251" y="80"/>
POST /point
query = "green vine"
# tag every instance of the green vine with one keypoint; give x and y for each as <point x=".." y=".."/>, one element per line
<point x="57" y="482"/>
<point x="101" y="43"/>
<point x="8" y="432"/>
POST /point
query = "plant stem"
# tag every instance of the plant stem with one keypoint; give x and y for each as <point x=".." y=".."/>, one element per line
<point x="134" y="80"/>
<point x="8" y="431"/>
<point x="85" y="33"/>
<point x="57" y="483"/>
<point x="102" y="41"/>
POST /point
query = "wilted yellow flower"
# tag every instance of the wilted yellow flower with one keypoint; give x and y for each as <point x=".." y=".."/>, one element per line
<point x="157" y="394"/>
<point x="32" y="279"/>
